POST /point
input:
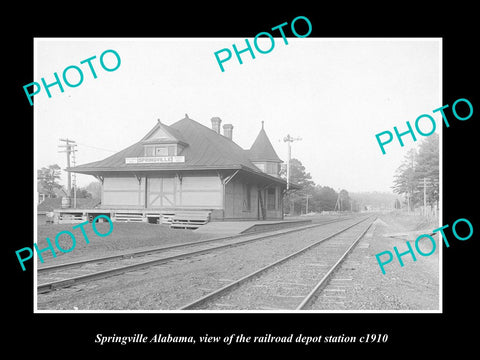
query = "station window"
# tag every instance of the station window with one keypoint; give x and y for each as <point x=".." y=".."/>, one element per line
<point x="261" y="166"/>
<point x="272" y="168"/>
<point x="164" y="150"/>
<point x="149" y="151"/>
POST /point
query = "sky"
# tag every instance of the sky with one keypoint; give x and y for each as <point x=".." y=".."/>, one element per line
<point x="335" y="94"/>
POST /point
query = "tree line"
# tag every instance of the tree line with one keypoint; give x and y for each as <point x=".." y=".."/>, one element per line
<point x="417" y="178"/>
<point x="48" y="184"/>
<point x="312" y="197"/>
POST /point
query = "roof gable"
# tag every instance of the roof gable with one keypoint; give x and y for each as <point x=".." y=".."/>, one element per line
<point x="159" y="134"/>
<point x="162" y="133"/>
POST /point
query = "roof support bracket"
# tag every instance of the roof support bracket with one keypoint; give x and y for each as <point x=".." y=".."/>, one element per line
<point x="99" y="177"/>
<point x="179" y="176"/>
<point x="267" y="186"/>
<point x="139" y="178"/>
<point x="228" y="178"/>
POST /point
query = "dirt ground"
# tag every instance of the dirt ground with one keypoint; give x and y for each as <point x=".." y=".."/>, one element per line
<point x="360" y="284"/>
<point x="124" y="237"/>
<point x="171" y="285"/>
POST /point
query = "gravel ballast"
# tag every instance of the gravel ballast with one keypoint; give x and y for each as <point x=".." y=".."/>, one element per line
<point x="172" y="285"/>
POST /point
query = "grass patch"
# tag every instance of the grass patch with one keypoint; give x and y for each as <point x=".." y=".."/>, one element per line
<point x="124" y="237"/>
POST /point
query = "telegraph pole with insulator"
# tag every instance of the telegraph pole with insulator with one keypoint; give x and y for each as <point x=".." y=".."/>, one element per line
<point x="288" y="139"/>
<point x="69" y="148"/>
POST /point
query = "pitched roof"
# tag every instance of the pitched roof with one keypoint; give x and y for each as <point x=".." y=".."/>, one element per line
<point x="262" y="149"/>
<point x="163" y="133"/>
<point x="204" y="149"/>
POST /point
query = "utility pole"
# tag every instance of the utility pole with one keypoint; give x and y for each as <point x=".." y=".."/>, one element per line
<point x="288" y="139"/>
<point x="74" y="182"/>
<point x="69" y="148"/>
<point x="306" y="207"/>
<point x="338" y="203"/>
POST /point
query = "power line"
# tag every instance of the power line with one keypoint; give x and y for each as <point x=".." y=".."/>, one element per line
<point x="97" y="148"/>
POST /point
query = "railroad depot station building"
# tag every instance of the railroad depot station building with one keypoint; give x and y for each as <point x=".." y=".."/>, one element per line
<point x="187" y="166"/>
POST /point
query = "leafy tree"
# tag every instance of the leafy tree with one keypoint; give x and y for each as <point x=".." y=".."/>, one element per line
<point x="95" y="188"/>
<point x="324" y="199"/>
<point x="344" y="203"/>
<point x="373" y="199"/>
<point x="81" y="193"/>
<point x="428" y="163"/>
<point x="298" y="175"/>
<point x="405" y="181"/>
<point x="417" y="166"/>
<point x="320" y="198"/>
<point x="47" y="178"/>
<point x="295" y="200"/>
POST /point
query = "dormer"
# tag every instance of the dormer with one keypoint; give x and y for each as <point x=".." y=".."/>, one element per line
<point x="163" y="141"/>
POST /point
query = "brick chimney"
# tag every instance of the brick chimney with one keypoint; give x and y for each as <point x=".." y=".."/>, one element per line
<point x="227" y="131"/>
<point x="216" y="121"/>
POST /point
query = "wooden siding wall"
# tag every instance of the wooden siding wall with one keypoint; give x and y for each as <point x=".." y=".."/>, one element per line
<point x="202" y="191"/>
<point x="163" y="192"/>
<point x="123" y="192"/>
<point x="274" y="205"/>
<point x="236" y="202"/>
<point x="191" y="192"/>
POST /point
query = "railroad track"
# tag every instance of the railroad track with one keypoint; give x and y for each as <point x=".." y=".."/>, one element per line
<point x="292" y="282"/>
<point x="69" y="274"/>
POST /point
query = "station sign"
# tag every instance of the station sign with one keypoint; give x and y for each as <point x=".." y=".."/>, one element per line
<point x="155" y="160"/>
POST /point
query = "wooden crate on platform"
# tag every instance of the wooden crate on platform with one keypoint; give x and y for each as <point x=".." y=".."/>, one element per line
<point x="190" y="219"/>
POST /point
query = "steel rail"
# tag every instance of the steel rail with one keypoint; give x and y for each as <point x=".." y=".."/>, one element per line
<point x="322" y="282"/>
<point x="46" y="287"/>
<point x="234" y="284"/>
<point x="44" y="269"/>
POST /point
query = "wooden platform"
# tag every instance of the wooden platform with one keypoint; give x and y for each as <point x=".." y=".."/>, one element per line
<point x="243" y="227"/>
<point x="176" y="218"/>
<point x="197" y="220"/>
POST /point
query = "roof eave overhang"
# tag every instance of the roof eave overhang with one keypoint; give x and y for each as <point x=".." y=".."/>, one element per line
<point x="101" y="171"/>
<point x="266" y="160"/>
<point x="265" y="176"/>
<point x="134" y="169"/>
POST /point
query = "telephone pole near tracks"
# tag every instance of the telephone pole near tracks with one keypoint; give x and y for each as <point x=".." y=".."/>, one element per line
<point x="288" y="139"/>
<point x="69" y="149"/>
